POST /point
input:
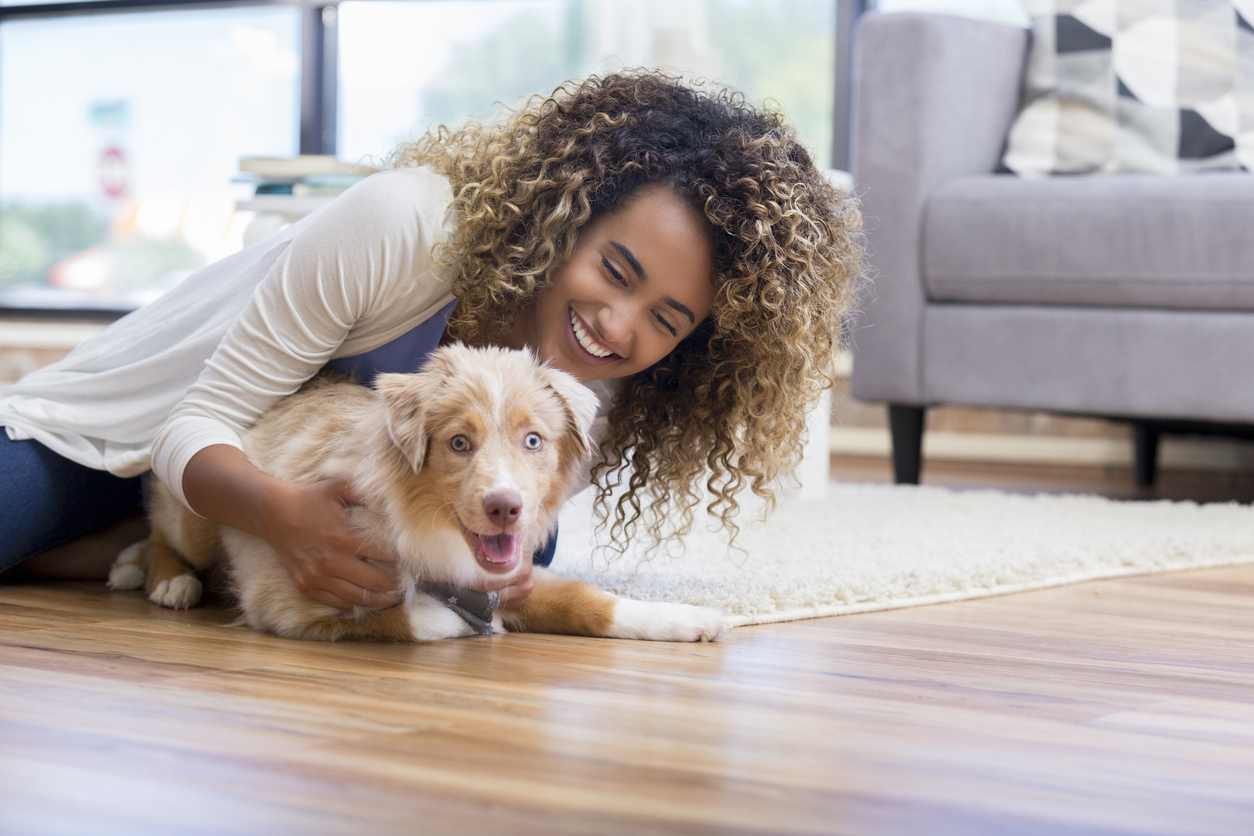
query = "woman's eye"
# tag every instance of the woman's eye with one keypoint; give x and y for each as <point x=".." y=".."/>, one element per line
<point x="618" y="277"/>
<point x="533" y="441"/>
<point x="460" y="444"/>
<point x="661" y="320"/>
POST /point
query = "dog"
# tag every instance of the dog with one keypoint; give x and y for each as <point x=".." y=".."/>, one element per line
<point x="462" y="469"/>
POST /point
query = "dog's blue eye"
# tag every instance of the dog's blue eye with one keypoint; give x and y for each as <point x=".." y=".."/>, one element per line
<point x="460" y="444"/>
<point x="533" y="441"/>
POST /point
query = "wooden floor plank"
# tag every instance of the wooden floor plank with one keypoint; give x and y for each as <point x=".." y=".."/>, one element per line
<point x="1119" y="706"/>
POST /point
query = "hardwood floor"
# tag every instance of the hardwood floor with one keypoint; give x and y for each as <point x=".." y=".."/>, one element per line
<point x="1121" y="706"/>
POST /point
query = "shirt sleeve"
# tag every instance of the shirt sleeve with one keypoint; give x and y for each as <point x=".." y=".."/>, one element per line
<point x="355" y="257"/>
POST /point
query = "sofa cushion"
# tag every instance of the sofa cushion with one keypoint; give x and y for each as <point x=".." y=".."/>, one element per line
<point x="1126" y="240"/>
<point x="1134" y="86"/>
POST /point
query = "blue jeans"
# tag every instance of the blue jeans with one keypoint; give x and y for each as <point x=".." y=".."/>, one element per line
<point x="48" y="500"/>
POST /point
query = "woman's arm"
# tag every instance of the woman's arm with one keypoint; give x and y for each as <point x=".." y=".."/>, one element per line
<point x="307" y="525"/>
<point x="363" y="262"/>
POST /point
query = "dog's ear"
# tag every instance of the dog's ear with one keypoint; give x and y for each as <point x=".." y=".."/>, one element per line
<point x="581" y="405"/>
<point x="408" y="398"/>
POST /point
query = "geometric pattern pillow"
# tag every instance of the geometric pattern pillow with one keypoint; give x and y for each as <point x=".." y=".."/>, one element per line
<point x="1162" y="86"/>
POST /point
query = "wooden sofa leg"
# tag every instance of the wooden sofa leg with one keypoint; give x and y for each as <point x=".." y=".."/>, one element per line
<point x="1145" y="442"/>
<point x="906" y="424"/>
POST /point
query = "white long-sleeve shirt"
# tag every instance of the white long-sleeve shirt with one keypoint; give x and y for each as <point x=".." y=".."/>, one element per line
<point x="200" y="364"/>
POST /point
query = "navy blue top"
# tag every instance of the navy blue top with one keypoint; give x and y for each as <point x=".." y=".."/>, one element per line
<point x="403" y="355"/>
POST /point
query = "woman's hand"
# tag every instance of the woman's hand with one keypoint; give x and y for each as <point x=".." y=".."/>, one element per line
<point x="514" y="595"/>
<point x="321" y="548"/>
<point x="307" y="525"/>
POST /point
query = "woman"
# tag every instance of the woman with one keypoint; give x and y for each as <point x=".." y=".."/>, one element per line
<point x="677" y="245"/>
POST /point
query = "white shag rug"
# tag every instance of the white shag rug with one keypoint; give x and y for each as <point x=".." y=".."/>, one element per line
<point x="876" y="547"/>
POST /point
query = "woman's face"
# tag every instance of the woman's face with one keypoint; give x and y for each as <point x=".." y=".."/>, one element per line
<point x="640" y="279"/>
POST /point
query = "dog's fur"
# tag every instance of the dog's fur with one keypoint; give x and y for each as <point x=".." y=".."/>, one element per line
<point x="425" y="502"/>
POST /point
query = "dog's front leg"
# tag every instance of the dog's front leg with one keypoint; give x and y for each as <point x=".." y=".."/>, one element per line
<point x="559" y="605"/>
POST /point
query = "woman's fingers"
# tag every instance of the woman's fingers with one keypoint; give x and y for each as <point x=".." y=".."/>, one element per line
<point x="515" y="595"/>
<point x="346" y="596"/>
<point x="366" y="575"/>
<point x="358" y="595"/>
<point x="323" y="596"/>
<point x="365" y="548"/>
<point x="519" y="588"/>
<point x="349" y="498"/>
<point x="322" y="550"/>
<point x="347" y="495"/>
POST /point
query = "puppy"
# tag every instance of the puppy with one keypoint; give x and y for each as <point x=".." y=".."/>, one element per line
<point x="462" y="469"/>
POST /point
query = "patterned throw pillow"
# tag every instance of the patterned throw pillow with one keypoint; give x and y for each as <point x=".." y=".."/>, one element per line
<point x="1161" y="86"/>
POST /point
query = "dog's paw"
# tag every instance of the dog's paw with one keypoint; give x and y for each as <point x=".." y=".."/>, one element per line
<point x="667" y="622"/>
<point x="177" y="593"/>
<point x="126" y="572"/>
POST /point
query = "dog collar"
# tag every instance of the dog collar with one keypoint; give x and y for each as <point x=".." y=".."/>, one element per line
<point x="476" y="608"/>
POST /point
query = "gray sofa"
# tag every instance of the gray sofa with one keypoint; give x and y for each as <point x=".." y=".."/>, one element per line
<point x="1123" y="296"/>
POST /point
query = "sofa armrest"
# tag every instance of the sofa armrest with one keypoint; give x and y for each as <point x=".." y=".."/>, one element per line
<point x="933" y="98"/>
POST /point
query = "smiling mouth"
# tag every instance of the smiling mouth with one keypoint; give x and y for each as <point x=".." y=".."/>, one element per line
<point x="494" y="552"/>
<point x="585" y="340"/>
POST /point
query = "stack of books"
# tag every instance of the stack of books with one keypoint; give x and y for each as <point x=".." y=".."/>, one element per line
<point x="308" y="175"/>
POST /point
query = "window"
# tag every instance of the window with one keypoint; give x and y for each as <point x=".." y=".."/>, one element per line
<point x="119" y="137"/>
<point x="405" y="67"/>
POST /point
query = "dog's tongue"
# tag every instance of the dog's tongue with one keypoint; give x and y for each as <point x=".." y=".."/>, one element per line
<point x="498" y="548"/>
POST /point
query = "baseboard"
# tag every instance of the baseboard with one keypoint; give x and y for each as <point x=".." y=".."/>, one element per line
<point x="1175" y="452"/>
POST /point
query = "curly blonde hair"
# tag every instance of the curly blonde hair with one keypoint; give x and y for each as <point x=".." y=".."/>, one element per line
<point x="728" y="405"/>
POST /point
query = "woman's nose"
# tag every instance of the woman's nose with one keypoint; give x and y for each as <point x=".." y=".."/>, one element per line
<point x="616" y="324"/>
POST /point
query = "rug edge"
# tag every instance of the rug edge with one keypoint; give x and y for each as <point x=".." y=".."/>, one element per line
<point x="808" y="613"/>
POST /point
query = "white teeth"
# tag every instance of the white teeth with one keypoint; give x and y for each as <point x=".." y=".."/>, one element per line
<point x="586" y="341"/>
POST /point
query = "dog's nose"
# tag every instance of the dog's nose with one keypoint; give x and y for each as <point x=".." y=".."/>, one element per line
<point x="503" y="508"/>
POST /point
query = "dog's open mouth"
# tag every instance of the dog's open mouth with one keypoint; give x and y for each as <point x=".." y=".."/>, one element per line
<point x="495" y="552"/>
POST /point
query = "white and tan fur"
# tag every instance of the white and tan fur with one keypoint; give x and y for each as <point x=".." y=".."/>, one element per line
<point x="424" y="502"/>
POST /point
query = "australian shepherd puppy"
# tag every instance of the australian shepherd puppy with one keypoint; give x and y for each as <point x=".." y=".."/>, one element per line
<point x="462" y="469"/>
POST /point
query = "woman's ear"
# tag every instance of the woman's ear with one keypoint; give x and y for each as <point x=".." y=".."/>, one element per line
<point x="408" y="399"/>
